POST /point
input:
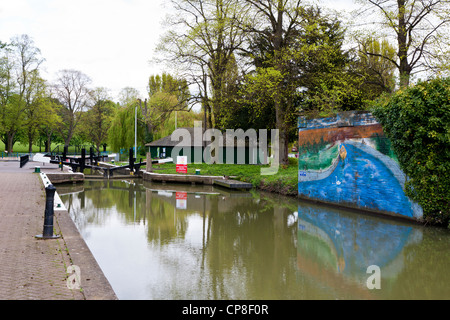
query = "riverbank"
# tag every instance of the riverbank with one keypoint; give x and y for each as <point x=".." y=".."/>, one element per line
<point x="284" y="182"/>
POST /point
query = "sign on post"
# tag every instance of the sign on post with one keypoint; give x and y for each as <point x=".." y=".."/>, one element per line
<point x="181" y="164"/>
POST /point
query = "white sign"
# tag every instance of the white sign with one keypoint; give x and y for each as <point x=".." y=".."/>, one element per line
<point x="181" y="159"/>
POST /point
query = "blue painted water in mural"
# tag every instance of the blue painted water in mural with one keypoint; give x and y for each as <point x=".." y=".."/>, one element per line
<point x="363" y="180"/>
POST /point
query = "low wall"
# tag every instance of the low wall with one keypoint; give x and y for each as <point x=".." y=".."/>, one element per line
<point x="347" y="160"/>
<point x="180" y="178"/>
<point x="64" y="177"/>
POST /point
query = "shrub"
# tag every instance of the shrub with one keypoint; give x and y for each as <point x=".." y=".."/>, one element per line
<point x="417" y="121"/>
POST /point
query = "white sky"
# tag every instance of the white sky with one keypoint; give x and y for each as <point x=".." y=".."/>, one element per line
<point x="111" y="41"/>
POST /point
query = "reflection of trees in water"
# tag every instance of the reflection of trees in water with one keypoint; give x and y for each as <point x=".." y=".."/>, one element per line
<point x="252" y="243"/>
<point x="247" y="248"/>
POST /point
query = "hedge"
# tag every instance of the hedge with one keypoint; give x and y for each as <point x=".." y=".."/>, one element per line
<point x="417" y="121"/>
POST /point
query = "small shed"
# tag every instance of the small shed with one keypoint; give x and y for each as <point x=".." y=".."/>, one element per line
<point x="201" y="147"/>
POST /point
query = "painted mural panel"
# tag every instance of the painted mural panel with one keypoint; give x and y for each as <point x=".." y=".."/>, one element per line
<point x="347" y="160"/>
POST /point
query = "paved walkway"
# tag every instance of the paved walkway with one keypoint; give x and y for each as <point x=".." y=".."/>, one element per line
<point x="33" y="269"/>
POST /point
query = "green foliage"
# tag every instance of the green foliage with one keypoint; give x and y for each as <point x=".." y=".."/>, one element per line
<point x="417" y="121"/>
<point x="325" y="68"/>
<point x="167" y="95"/>
<point x="375" y="66"/>
<point x="121" y="133"/>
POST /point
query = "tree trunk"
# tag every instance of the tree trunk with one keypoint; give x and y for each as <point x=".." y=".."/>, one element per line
<point x="283" y="134"/>
<point x="280" y="111"/>
<point x="10" y="141"/>
<point x="48" y="143"/>
<point x="405" y="68"/>
<point x="30" y="142"/>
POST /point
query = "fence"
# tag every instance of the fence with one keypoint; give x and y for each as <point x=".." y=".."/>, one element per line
<point x="10" y="155"/>
<point x="15" y="155"/>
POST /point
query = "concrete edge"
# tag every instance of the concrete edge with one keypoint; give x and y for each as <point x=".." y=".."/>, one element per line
<point x="93" y="282"/>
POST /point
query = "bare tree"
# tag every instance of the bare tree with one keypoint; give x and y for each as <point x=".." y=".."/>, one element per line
<point x="202" y="38"/>
<point x="72" y="90"/>
<point x="420" y="30"/>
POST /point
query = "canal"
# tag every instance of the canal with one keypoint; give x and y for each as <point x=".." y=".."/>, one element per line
<point x="170" y="242"/>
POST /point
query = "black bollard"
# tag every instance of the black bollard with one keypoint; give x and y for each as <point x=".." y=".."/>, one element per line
<point x="49" y="213"/>
<point x="131" y="160"/>
<point x="83" y="160"/>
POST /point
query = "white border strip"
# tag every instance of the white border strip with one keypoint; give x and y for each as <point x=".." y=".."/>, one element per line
<point x="58" y="205"/>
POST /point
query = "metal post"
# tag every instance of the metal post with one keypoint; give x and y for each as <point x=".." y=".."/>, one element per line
<point x="135" y="129"/>
<point x="83" y="160"/>
<point x="91" y="156"/>
<point x="49" y="213"/>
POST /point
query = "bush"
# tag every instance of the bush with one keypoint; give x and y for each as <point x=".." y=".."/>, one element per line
<point x="417" y="121"/>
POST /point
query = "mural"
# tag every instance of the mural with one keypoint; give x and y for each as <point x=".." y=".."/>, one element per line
<point x="347" y="160"/>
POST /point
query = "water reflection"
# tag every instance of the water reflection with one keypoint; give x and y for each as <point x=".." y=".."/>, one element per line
<point x="157" y="241"/>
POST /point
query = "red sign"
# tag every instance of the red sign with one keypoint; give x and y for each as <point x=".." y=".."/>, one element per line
<point x="182" y="164"/>
<point x="181" y="200"/>
<point x="182" y="168"/>
<point x="181" y="196"/>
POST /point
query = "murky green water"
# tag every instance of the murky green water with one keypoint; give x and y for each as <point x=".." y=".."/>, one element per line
<point x="157" y="241"/>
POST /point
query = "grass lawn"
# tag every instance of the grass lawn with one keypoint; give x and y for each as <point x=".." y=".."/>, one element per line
<point x="285" y="181"/>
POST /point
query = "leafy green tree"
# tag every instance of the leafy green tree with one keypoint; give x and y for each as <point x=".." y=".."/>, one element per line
<point x="166" y="95"/>
<point x="97" y="120"/>
<point x="323" y="68"/>
<point x="122" y="130"/>
<point x="40" y="111"/>
<point x="128" y="95"/>
<point x="51" y="121"/>
<point x="7" y="94"/>
<point x="20" y="67"/>
<point x="300" y="66"/>
<point x="417" y="121"/>
<point x="378" y="73"/>
<point x="275" y="25"/>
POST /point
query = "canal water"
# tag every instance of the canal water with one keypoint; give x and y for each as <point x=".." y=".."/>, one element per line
<point x="169" y="242"/>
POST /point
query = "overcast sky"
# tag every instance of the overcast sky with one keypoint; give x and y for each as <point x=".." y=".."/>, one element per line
<point x="111" y="41"/>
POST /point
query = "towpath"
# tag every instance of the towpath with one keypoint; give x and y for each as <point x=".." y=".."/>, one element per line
<point x="34" y="269"/>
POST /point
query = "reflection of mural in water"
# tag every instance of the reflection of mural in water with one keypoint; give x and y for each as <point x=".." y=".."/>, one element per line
<point x="337" y="248"/>
<point x="347" y="160"/>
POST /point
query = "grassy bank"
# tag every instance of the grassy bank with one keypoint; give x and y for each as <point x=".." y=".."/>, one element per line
<point x="284" y="181"/>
